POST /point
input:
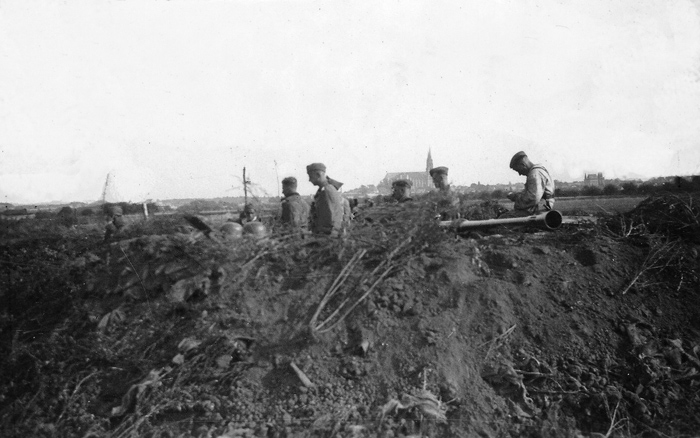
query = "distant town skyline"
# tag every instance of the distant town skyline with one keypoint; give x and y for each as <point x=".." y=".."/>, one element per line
<point x="175" y="98"/>
<point x="115" y="197"/>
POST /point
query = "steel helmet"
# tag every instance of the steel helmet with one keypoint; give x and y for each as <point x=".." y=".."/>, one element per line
<point x="232" y="230"/>
<point x="257" y="229"/>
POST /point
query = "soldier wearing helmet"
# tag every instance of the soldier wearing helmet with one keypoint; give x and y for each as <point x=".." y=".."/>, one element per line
<point x="295" y="210"/>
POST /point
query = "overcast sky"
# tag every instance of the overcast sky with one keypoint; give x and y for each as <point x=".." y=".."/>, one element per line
<point x="176" y="97"/>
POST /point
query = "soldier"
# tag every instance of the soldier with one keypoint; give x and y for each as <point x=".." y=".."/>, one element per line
<point x="446" y="200"/>
<point x="327" y="210"/>
<point x="401" y="190"/>
<point x="295" y="210"/>
<point x="539" y="188"/>
<point x="439" y="176"/>
<point x="116" y="221"/>
<point x="348" y="215"/>
<point x="248" y="215"/>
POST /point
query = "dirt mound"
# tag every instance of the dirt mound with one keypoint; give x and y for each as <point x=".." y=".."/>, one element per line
<point x="677" y="216"/>
<point x="397" y="329"/>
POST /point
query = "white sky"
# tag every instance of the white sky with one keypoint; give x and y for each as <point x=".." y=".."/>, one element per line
<point x="175" y="97"/>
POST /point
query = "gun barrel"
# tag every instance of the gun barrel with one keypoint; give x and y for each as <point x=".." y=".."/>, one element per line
<point x="550" y="220"/>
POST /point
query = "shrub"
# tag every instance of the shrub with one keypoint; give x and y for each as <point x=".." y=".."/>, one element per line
<point x="566" y="193"/>
<point x="646" y="188"/>
<point x="44" y="215"/>
<point x="591" y="191"/>
<point x="629" y="188"/>
<point x="611" y="189"/>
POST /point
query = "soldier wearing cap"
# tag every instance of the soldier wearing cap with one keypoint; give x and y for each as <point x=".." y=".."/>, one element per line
<point x="539" y="188"/>
<point x="446" y="201"/>
<point x="327" y="209"/>
<point x="439" y="176"/>
<point x="295" y="210"/>
<point x="116" y="221"/>
<point x="401" y="190"/>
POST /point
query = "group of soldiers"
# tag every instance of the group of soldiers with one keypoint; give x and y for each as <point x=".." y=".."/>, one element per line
<point x="330" y="211"/>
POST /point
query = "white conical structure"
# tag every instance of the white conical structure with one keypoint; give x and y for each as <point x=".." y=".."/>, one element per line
<point x="110" y="194"/>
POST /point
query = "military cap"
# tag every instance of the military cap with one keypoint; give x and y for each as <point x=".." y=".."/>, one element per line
<point x="402" y="183"/>
<point x="438" y="170"/>
<point x="516" y="158"/>
<point x="289" y="181"/>
<point x="115" y="210"/>
<point x="315" y="166"/>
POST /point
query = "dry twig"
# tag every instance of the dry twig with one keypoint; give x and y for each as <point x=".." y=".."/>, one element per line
<point x="613" y="423"/>
<point x="654" y="260"/>
<point x="72" y="397"/>
<point x="352" y="307"/>
<point x="339" y="280"/>
<point x="497" y="340"/>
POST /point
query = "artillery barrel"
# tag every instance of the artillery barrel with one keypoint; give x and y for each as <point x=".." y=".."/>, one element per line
<point x="550" y="220"/>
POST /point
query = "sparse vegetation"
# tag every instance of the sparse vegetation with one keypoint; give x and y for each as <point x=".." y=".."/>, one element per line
<point x="399" y="328"/>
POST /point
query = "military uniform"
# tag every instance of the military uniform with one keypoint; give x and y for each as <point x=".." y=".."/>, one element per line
<point x="327" y="210"/>
<point x="244" y="218"/>
<point x="116" y="221"/>
<point x="348" y="215"/>
<point x="347" y="210"/>
<point x="295" y="211"/>
<point x="445" y="200"/>
<point x="539" y="190"/>
<point x="248" y="215"/>
<point x="446" y="203"/>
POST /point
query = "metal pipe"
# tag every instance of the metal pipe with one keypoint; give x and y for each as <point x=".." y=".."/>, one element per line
<point x="549" y="220"/>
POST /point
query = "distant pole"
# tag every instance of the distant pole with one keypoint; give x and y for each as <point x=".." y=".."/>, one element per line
<point x="278" y="179"/>
<point x="245" y="187"/>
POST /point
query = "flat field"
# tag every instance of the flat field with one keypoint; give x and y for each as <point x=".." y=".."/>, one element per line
<point x="583" y="205"/>
<point x="594" y="205"/>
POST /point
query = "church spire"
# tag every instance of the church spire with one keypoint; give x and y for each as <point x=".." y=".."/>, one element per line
<point x="429" y="162"/>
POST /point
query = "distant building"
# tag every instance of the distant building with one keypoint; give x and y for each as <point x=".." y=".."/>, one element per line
<point x="422" y="182"/>
<point x="594" y="179"/>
